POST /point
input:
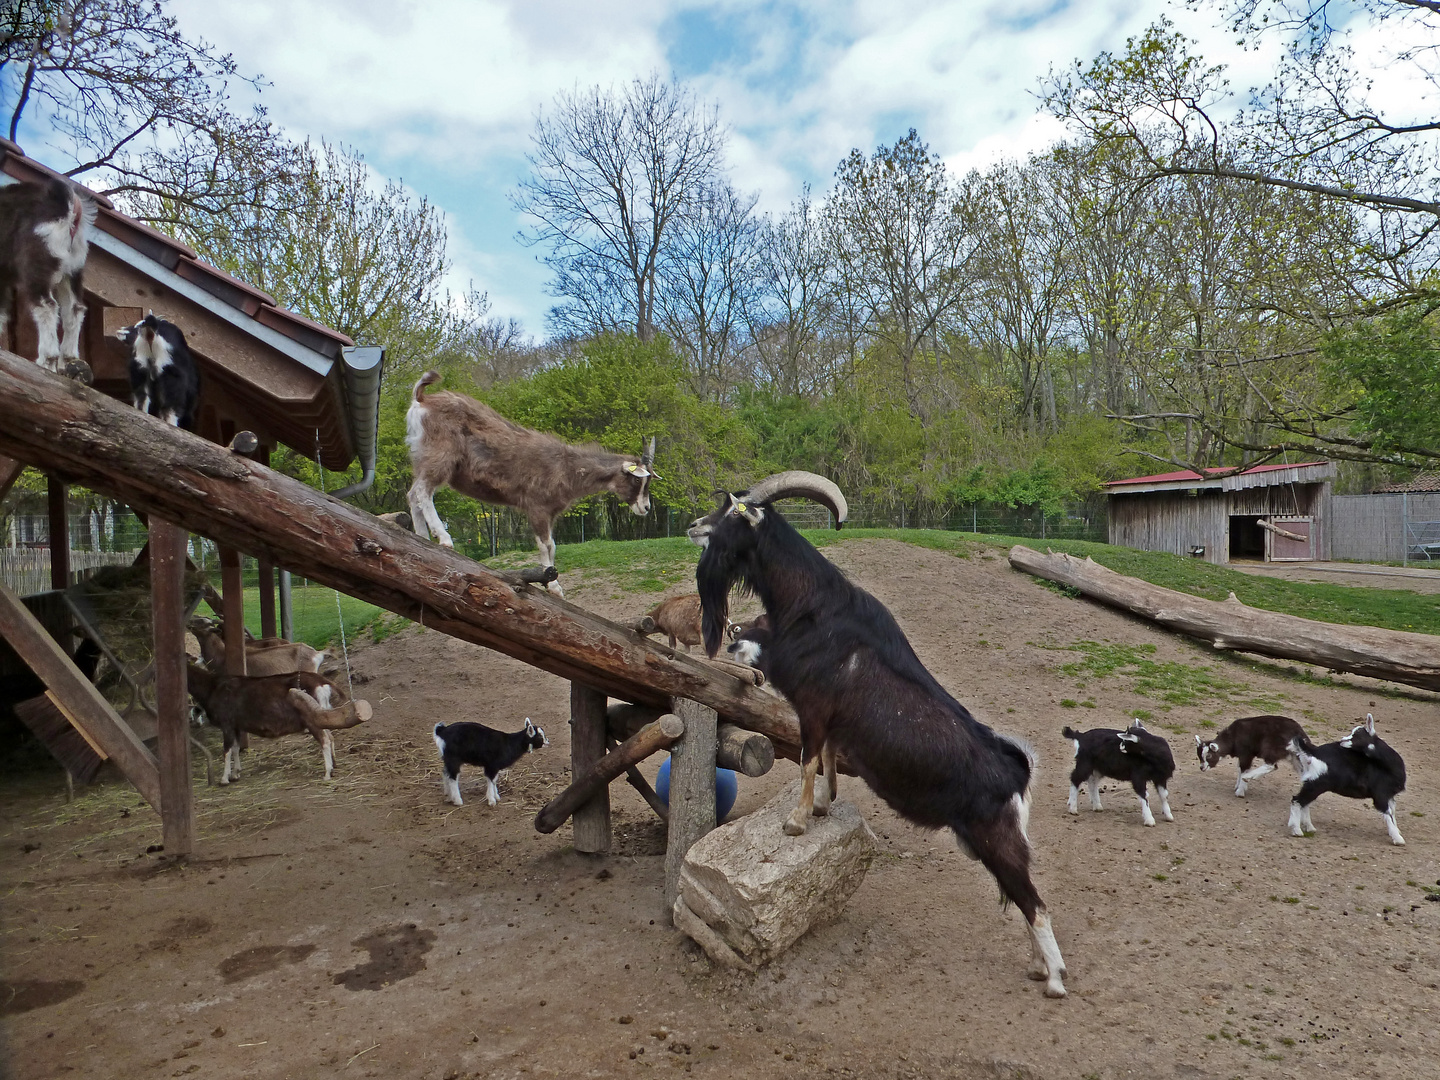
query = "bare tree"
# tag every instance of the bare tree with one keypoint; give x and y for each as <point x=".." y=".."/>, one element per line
<point x="611" y="171"/>
<point x="128" y="98"/>
<point x="708" y="276"/>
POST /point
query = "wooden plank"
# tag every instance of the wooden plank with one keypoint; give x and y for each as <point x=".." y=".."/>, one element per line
<point x="82" y="702"/>
<point x="59" y="534"/>
<point x="155" y="468"/>
<point x="267" y="598"/>
<point x="167" y="611"/>
<point x="587" y="748"/>
<point x="10" y="470"/>
<point x="650" y="739"/>
<point x="692" y="791"/>
<point x="70" y="719"/>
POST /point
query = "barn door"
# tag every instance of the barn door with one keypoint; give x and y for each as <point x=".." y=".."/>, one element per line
<point x="1289" y="538"/>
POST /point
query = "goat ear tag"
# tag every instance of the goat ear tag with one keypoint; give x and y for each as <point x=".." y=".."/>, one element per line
<point x="638" y="471"/>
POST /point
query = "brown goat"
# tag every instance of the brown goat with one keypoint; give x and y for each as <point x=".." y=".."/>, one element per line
<point x="265" y="657"/>
<point x="458" y="442"/>
<point x="44" y="241"/>
<point x="274" y="705"/>
<point x="679" y="619"/>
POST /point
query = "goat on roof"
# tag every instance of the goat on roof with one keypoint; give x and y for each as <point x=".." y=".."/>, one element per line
<point x="44" y="242"/>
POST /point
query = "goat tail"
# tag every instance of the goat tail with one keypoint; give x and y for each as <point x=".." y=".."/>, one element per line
<point x="1067" y="732"/>
<point x="439" y="734"/>
<point x="425" y="380"/>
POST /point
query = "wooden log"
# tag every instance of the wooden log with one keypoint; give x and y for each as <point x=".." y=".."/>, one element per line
<point x="1412" y="659"/>
<point x="587" y="749"/>
<point x="167" y="611"/>
<point x="650" y="739"/>
<point x="10" y="471"/>
<point x="746" y="752"/>
<point x="79" y="700"/>
<point x="692" y="791"/>
<point x="59" y="533"/>
<point x="267" y="598"/>
<point x="1286" y="533"/>
<point x="640" y="784"/>
<point x="623" y="719"/>
<point x="156" y="468"/>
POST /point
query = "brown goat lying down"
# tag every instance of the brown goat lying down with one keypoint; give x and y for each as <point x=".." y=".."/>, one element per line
<point x="274" y="705"/>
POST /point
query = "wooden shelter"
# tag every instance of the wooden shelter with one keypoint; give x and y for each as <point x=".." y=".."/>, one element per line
<point x="263" y="370"/>
<point x="1275" y="513"/>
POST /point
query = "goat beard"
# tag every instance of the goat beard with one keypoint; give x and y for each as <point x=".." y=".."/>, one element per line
<point x="715" y="575"/>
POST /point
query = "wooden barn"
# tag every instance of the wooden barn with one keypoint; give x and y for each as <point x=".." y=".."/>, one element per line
<point x="1274" y="513"/>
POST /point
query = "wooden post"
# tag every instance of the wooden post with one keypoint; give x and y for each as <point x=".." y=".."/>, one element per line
<point x="232" y="589"/>
<point x="167" y="609"/>
<point x="587" y="747"/>
<point x="692" y="791"/>
<point x="287" y="609"/>
<point x="59" y="535"/>
<point x="648" y="740"/>
<point x="267" y="598"/>
<point x="10" y="471"/>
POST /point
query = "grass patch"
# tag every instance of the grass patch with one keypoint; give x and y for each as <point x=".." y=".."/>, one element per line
<point x="317" y="621"/>
<point x="1168" y="681"/>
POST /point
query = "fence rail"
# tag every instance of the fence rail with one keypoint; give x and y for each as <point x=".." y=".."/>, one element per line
<point x="26" y="571"/>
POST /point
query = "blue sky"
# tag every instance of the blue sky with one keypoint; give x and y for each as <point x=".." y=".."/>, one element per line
<point x="444" y="94"/>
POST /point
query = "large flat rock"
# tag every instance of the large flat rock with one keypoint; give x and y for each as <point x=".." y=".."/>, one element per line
<point x="748" y="891"/>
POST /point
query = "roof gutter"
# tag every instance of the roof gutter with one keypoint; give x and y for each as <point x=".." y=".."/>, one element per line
<point x="360" y="372"/>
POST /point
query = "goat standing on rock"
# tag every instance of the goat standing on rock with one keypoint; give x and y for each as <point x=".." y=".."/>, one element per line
<point x="464" y="444"/>
<point x="858" y="688"/>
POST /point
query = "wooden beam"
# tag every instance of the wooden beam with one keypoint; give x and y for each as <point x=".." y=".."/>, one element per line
<point x="267" y="598"/>
<point x="650" y="739"/>
<point x="111" y="448"/>
<point x="1413" y="659"/>
<point x="80" y="701"/>
<point x="587" y="749"/>
<point x="746" y="752"/>
<point x="10" y="471"/>
<point x="59" y="534"/>
<point x="167" y="609"/>
<point x="692" y="791"/>
<point x="232" y="589"/>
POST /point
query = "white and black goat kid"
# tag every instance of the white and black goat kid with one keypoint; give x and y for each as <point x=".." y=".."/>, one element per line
<point x="1272" y="739"/>
<point x="164" y="379"/>
<point x="859" y="689"/>
<point x="1133" y="755"/>
<point x="458" y="442"/>
<point x="1359" y="766"/>
<point x="494" y="751"/>
<point x="44" y="242"/>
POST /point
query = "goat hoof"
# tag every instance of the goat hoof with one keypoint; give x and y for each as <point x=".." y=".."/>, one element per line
<point x="1399" y="841"/>
<point x="821" y="811"/>
<point x="1055" y="989"/>
<point x="1038" y="972"/>
<point x="794" y="828"/>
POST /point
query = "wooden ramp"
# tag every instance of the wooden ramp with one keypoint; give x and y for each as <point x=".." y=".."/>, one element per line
<point x="48" y="723"/>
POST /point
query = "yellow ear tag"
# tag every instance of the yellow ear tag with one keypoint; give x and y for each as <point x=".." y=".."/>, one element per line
<point x="739" y="508"/>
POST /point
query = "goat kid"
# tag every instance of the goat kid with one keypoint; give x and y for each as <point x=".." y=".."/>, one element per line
<point x="271" y="706"/>
<point x="679" y="619"/>
<point x="494" y="751"/>
<point x="458" y="442"/>
<point x="1272" y="739"/>
<point x="1134" y="755"/>
<point x="857" y="686"/>
<point x="44" y="242"/>
<point x="1359" y="766"/>
<point x="164" y="378"/>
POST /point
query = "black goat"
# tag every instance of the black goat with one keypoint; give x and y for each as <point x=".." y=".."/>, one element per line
<point x="475" y="744"/>
<point x="1272" y="739"/>
<point x="164" y="379"/>
<point x="1359" y="766"/>
<point x="1133" y="754"/>
<point x="857" y="686"/>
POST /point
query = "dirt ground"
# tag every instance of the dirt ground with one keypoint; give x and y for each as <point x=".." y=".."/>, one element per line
<point x="364" y="927"/>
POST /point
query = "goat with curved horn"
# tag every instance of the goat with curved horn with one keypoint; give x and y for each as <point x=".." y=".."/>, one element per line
<point x="794" y="484"/>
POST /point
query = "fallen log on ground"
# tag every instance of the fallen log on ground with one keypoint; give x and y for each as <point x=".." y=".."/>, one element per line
<point x="1412" y="659"/>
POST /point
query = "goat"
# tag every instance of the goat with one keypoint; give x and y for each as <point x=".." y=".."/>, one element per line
<point x="399" y="517"/>
<point x="494" y="751"/>
<point x="857" y="686"/>
<point x="164" y="378"/>
<point x="1269" y="738"/>
<point x="1134" y="755"/>
<point x="1359" y="766"/>
<point x="260" y="659"/>
<point x="748" y="643"/>
<point x="44" y="242"/>
<point x="679" y="619"/>
<point x="274" y="705"/>
<point x="458" y="442"/>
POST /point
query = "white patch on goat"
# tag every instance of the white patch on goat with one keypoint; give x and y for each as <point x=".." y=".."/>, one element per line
<point x="1094" y="785"/>
<point x="1212" y="748"/>
<point x="45" y="311"/>
<point x="69" y="249"/>
<point x="1074" y="804"/>
<point x="1257" y="771"/>
<point x="1239" y="782"/>
<point x="492" y="790"/>
<point x="1391" y="827"/>
<point x="155" y="353"/>
<point x="1164" y="803"/>
<point x="1022" y="811"/>
<point x="415" y="428"/>
<point x="1311" y="768"/>
<point x="853" y="664"/>
<point x="1043" y="937"/>
<point x="1297" y="822"/>
<point x="746" y="651"/>
<point x="1146" y="817"/>
<point x="323" y="696"/>
<point x="327" y="751"/>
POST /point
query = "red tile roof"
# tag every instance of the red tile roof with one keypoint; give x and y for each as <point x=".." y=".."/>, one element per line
<point x="176" y="256"/>
<point x="1425" y="481"/>
<point x="1190" y="474"/>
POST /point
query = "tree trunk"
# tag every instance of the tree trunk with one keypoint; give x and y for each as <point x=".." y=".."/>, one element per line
<point x="1412" y="659"/>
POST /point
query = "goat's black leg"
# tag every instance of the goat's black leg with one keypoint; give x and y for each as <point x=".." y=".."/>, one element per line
<point x="1002" y="846"/>
<point x="1300" y="823"/>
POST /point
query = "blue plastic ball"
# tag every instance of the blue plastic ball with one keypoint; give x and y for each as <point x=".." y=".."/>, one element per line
<point x="727" y="787"/>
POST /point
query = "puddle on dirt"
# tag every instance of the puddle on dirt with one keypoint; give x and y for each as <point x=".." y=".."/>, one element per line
<point x="25" y="994"/>
<point x="260" y="959"/>
<point x="180" y="929"/>
<point x="396" y="952"/>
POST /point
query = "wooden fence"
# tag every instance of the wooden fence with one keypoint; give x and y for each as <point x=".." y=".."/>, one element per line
<point x="25" y="571"/>
<point x="1388" y="527"/>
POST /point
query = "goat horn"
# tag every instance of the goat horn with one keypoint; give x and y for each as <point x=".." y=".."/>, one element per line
<point x="648" y="457"/>
<point x="800" y="484"/>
